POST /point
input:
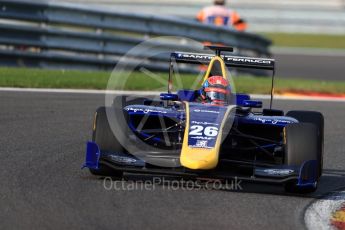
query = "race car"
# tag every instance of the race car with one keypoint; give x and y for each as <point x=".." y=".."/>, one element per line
<point x="209" y="132"/>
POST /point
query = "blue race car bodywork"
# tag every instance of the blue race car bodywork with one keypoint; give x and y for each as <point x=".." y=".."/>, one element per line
<point x="264" y="130"/>
<point x="183" y="137"/>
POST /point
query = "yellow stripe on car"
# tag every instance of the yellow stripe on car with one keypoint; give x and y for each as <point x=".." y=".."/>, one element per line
<point x="201" y="158"/>
<point x="222" y="64"/>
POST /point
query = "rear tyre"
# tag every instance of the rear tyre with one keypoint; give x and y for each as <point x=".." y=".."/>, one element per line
<point x="317" y="119"/>
<point x="301" y="146"/>
<point x="103" y="136"/>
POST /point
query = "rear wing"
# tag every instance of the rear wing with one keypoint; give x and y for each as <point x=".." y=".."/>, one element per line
<point x="231" y="61"/>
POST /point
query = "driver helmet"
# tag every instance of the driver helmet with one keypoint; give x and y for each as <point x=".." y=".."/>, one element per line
<point x="216" y="90"/>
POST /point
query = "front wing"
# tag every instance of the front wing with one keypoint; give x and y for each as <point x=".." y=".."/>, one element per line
<point x="305" y="174"/>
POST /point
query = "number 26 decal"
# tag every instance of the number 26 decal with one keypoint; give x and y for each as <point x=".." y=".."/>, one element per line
<point x="210" y="131"/>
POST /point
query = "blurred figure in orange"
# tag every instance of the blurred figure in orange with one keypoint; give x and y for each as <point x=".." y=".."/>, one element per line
<point x="219" y="15"/>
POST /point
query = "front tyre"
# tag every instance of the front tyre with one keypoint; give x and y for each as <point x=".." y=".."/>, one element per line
<point x="317" y="119"/>
<point x="301" y="145"/>
<point x="103" y="136"/>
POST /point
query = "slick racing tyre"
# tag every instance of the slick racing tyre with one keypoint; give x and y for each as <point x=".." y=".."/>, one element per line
<point x="106" y="141"/>
<point x="317" y="119"/>
<point x="301" y="145"/>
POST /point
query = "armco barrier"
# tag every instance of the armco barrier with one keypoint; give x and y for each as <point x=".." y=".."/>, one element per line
<point x="51" y="35"/>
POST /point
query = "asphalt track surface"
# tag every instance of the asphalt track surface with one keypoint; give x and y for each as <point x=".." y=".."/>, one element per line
<point x="42" y="144"/>
<point x="305" y="66"/>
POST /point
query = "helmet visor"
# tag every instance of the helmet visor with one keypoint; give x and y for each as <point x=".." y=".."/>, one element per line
<point x="216" y="96"/>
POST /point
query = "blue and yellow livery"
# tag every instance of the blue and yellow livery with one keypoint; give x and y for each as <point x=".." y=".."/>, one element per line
<point x="177" y="135"/>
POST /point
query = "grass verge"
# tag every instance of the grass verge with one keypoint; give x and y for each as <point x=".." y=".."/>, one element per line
<point x="38" y="78"/>
<point x="307" y="40"/>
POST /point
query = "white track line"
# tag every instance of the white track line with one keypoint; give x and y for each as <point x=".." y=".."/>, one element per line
<point x="78" y="91"/>
<point x="141" y="93"/>
<point x="297" y="98"/>
<point x="319" y="213"/>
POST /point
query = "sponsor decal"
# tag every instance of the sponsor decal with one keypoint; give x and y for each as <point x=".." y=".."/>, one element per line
<point x="195" y="56"/>
<point x="205" y="111"/>
<point x="226" y="58"/>
<point x="201" y="144"/>
<point x="272" y="121"/>
<point x="202" y="138"/>
<point x="247" y="60"/>
<point x="204" y="125"/>
<point x="145" y="110"/>
<point x="121" y="159"/>
<point x="278" y="172"/>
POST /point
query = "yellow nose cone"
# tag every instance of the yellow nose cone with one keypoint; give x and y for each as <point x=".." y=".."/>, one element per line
<point x="197" y="158"/>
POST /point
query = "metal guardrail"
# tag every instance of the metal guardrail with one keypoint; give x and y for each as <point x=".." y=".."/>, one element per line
<point x="50" y="35"/>
<point x="292" y="16"/>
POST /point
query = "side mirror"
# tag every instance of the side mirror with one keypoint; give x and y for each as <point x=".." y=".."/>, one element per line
<point x="168" y="97"/>
<point x="251" y="104"/>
